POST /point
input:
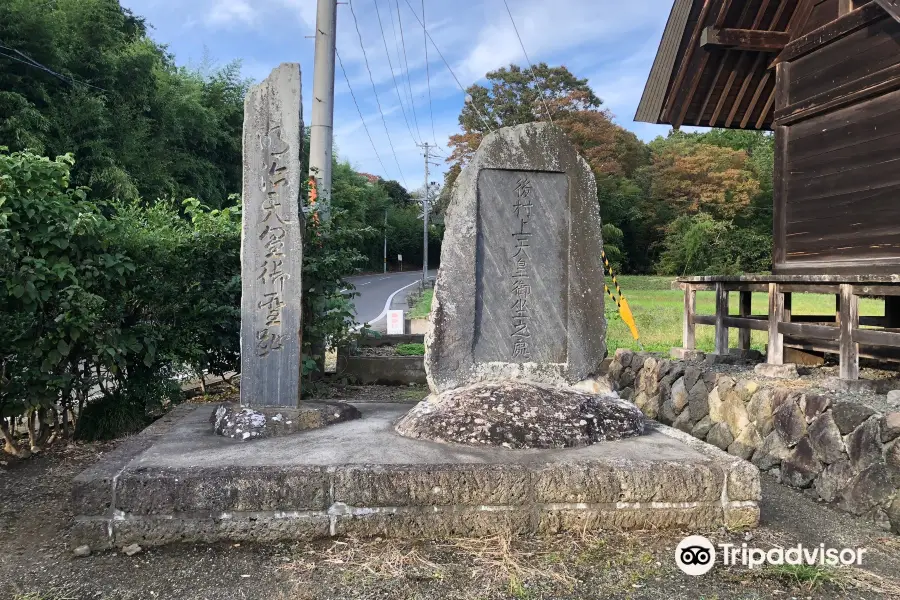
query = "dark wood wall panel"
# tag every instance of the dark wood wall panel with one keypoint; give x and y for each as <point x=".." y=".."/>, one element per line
<point x="852" y="125"/>
<point x="871" y="151"/>
<point x="859" y="176"/>
<point x="848" y="59"/>
<point x="841" y="182"/>
<point x="848" y="206"/>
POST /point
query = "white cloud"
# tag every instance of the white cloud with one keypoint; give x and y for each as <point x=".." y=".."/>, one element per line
<point x="550" y="28"/>
<point x="231" y="12"/>
<point x="305" y="9"/>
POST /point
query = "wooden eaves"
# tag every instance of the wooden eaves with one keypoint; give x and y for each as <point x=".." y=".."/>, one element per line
<point x="714" y="63"/>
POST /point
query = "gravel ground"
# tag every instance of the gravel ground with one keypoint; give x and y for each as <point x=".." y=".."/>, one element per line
<point x="37" y="564"/>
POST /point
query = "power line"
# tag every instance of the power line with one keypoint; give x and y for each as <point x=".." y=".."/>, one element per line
<point x="361" y="118"/>
<point x="374" y="91"/>
<point x="33" y="63"/>
<point x="428" y="74"/>
<point x="406" y="65"/>
<point x="528" y="60"/>
<point x="449" y="68"/>
<point x="394" y="77"/>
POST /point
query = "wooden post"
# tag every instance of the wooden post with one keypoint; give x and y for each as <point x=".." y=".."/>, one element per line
<point x="688" y="332"/>
<point x="849" y="350"/>
<point x="746" y="301"/>
<point x="721" y="313"/>
<point x="892" y="311"/>
<point x="775" y="354"/>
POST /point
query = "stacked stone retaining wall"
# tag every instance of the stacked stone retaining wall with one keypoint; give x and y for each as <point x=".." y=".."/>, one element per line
<point x="840" y="452"/>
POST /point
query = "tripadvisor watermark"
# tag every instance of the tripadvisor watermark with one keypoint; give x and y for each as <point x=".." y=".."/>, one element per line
<point x="696" y="555"/>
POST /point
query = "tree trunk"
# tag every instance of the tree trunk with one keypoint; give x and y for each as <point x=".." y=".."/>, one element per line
<point x="10" y="447"/>
<point x="30" y="416"/>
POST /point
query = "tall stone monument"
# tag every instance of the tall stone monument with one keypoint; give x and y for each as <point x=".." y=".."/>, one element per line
<point x="271" y="272"/>
<point x="272" y="242"/>
<point x="517" y="317"/>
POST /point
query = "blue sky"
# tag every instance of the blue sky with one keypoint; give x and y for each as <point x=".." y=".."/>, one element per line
<point x="611" y="42"/>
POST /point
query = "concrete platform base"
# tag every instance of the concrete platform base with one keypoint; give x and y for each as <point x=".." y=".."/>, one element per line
<point x="178" y="482"/>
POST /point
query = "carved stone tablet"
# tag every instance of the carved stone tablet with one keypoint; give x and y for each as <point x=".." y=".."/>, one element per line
<point x="521" y="267"/>
<point x="272" y="242"/>
<point x="519" y="294"/>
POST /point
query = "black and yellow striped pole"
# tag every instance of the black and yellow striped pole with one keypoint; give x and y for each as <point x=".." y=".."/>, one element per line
<point x="621" y="302"/>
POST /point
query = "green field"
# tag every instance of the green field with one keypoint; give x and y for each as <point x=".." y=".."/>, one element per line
<point x="657" y="309"/>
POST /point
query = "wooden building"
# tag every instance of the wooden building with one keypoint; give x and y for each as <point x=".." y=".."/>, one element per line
<point x="824" y="75"/>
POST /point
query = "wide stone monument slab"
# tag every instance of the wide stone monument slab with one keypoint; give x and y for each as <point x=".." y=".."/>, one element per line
<point x="177" y="482"/>
<point x="517" y="316"/>
<point x="520" y="290"/>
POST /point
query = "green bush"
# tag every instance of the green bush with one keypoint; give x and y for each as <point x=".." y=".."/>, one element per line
<point x="702" y="245"/>
<point x="411" y="349"/>
<point x="123" y="296"/>
<point x="109" y="295"/>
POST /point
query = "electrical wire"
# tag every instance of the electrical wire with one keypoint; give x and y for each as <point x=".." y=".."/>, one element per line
<point x="449" y="68"/>
<point x="528" y="60"/>
<point x="428" y="74"/>
<point x="406" y="65"/>
<point x="393" y="76"/>
<point x="361" y="118"/>
<point x="33" y="63"/>
<point x="374" y="91"/>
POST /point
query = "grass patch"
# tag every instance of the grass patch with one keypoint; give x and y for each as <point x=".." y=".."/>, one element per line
<point x="807" y="576"/>
<point x="410" y="349"/>
<point x="422" y="307"/>
<point x="657" y="309"/>
<point x="414" y="394"/>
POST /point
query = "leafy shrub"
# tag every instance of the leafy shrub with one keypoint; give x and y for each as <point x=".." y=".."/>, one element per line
<point x="123" y="296"/>
<point x="411" y="349"/>
<point x="701" y="245"/>
<point x="109" y="295"/>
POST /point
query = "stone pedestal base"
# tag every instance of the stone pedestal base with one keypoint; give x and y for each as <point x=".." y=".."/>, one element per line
<point x="518" y="414"/>
<point x="178" y="482"/>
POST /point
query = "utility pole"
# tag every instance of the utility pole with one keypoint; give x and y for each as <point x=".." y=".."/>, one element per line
<point x="322" y="126"/>
<point x="385" y="240"/>
<point x="427" y="147"/>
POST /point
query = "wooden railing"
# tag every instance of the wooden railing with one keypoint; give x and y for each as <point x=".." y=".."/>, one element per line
<point x="840" y="333"/>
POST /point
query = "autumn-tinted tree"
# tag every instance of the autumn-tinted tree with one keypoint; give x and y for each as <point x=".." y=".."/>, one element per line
<point x="513" y="96"/>
<point x="696" y="177"/>
<point x="518" y="96"/>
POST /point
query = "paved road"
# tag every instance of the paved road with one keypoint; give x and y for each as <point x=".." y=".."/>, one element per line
<point x="376" y="290"/>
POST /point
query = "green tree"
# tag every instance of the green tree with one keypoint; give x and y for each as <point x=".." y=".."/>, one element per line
<point x="396" y="192"/>
<point x="616" y="156"/>
<point x="82" y="76"/>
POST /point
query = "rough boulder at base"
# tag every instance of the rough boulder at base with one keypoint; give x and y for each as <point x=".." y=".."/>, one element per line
<point x="517" y="317"/>
<point x="517" y="415"/>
